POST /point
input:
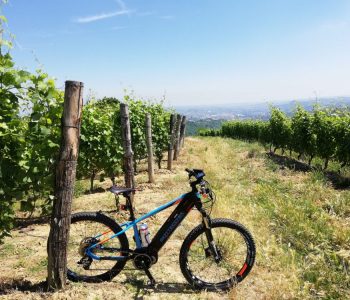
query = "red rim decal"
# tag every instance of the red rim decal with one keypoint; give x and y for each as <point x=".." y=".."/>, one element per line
<point x="240" y="273"/>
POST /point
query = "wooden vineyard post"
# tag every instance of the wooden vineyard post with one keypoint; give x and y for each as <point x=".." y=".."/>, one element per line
<point x="171" y="142"/>
<point x="182" y="131"/>
<point x="64" y="186"/>
<point x="177" y="137"/>
<point x="149" y="148"/>
<point x="128" y="166"/>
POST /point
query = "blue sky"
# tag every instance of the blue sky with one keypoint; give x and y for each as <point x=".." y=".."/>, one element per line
<point x="192" y="51"/>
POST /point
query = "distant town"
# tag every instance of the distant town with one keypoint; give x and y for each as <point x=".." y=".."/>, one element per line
<point x="205" y="116"/>
<point x="256" y="110"/>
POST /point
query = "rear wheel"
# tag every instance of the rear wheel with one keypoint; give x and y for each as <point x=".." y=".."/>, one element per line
<point x="235" y="247"/>
<point x="84" y="231"/>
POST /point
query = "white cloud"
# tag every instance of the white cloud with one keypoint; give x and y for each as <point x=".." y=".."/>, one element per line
<point x="102" y="16"/>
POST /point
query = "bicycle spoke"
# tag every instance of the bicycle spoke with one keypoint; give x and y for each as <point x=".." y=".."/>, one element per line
<point x="89" y="229"/>
<point x="202" y="263"/>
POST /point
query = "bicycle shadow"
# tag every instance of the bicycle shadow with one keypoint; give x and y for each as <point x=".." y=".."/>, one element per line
<point x="143" y="289"/>
<point x="338" y="181"/>
<point x="9" y="286"/>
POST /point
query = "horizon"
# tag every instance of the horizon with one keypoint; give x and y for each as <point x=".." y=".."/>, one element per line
<point x="267" y="102"/>
<point x="229" y="53"/>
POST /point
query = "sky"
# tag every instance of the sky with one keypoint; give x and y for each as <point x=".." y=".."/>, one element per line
<point x="192" y="52"/>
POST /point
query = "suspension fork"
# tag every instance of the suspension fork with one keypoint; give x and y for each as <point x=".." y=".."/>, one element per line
<point x="206" y="220"/>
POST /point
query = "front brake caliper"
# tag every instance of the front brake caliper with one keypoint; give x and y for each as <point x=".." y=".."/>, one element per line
<point x="207" y="252"/>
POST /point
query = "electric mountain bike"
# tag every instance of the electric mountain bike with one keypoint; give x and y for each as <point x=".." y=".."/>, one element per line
<point x="215" y="255"/>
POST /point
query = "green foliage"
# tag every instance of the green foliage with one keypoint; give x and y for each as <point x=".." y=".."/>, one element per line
<point x="342" y="139"/>
<point x="138" y="110"/>
<point x="30" y="110"/>
<point x="160" y="130"/>
<point x="303" y="136"/>
<point x="280" y="128"/>
<point x="324" y="133"/>
<point x="325" y="130"/>
<point x="209" y="132"/>
<point x="249" y="130"/>
<point x="42" y="136"/>
<point x="11" y="141"/>
<point x="100" y="140"/>
<point x="101" y="148"/>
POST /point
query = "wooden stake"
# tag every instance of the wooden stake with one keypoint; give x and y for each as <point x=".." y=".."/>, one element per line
<point x="128" y="167"/>
<point x="177" y="137"/>
<point x="64" y="186"/>
<point x="149" y="148"/>
<point x="182" y="131"/>
<point x="171" y="141"/>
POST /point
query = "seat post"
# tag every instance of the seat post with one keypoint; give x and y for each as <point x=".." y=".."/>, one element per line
<point x="129" y="205"/>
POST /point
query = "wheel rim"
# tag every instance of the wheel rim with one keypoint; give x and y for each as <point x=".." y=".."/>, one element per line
<point x="82" y="230"/>
<point x="201" y="263"/>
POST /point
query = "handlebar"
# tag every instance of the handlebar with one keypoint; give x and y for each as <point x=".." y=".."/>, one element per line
<point x="196" y="173"/>
<point x="204" y="187"/>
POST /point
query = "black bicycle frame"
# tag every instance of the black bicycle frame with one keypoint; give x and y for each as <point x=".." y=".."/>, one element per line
<point x="174" y="220"/>
<point x="186" y="203"/>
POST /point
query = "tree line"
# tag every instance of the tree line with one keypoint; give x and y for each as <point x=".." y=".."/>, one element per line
<point x="323" y="133"/>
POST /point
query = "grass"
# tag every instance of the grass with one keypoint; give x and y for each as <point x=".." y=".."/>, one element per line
<point x="300" y="224"/>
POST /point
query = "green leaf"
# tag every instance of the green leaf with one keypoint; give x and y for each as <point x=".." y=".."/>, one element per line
<point x="52" y="144"/>
<point x="3" y="19"/>
<point x="44" y="130"/>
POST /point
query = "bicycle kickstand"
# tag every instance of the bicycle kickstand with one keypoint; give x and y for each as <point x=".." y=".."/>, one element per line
<point x="152" y="281"/>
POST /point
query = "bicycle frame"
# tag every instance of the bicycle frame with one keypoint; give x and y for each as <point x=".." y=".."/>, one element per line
<point x="185" y="203"/>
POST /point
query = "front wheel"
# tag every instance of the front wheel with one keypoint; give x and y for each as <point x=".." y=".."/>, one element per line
<point x="236" y="249"/>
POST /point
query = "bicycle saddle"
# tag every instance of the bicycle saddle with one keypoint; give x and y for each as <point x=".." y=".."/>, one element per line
<point x="120" y="190"/>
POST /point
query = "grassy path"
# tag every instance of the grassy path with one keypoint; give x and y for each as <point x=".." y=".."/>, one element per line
<point x="300" y="224"/>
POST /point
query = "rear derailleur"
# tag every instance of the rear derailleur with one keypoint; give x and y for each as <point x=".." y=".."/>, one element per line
<point x="86" y="260"/>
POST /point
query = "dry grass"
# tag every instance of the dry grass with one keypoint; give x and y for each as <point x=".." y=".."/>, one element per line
<point x="250" y="189"/>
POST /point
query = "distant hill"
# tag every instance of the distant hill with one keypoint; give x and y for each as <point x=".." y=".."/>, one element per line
<point x="211" y="116"/>
<point x="254" y="111"/>
<point x="194" y="125"/>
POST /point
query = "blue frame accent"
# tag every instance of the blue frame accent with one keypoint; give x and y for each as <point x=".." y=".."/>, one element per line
<point x="133" y="224"/>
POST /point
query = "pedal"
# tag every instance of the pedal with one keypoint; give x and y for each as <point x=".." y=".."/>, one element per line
<point x="152" y="281"/>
